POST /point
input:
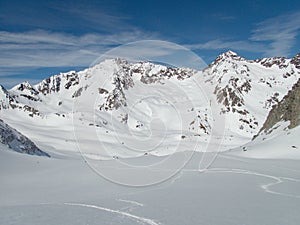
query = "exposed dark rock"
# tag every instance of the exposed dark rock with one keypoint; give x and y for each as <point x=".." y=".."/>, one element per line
<point x="296" y="61"/>
<point x="77" y="93"/>
<point x="122" y="80"/>
<point x="17" y="141"/>
<point x="29" y="97"/>
<point x="27" y="86"/>
<point x="288" y="109"/>
<point x="281" y="62"/>
<point x="102" y="91"/>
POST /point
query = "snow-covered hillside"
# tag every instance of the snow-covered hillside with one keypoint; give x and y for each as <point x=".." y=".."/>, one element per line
<point x="122" y="109"/>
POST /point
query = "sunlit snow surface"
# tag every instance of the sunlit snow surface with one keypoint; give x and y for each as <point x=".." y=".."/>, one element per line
<point x="233" y="190"/>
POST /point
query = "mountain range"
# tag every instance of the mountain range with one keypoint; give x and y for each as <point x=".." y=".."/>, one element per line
<point x="127" y="109"/>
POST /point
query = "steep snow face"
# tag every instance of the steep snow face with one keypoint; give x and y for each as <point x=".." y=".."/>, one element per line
<point x="18" y="142"/>
<point x="121" y="108"/>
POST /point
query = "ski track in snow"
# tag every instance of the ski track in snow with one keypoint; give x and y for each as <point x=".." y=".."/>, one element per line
<point x="265" y="187"/>
<point x="131" y="202"/>
<point x="175" y="178"/>
<point x="136" y="218"/>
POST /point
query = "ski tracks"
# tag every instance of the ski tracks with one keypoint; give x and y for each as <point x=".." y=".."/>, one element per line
<point x="138" y="219"/>
<point x="265" y="187"/>
<point x="131" y="202"/>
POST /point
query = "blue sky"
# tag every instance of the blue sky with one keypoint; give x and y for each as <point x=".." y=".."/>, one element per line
<point x="41" y="38"/>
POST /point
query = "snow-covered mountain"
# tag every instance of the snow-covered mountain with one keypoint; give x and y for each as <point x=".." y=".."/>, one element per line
<point x="248" y="89"/>
<point x="122" y="109"/>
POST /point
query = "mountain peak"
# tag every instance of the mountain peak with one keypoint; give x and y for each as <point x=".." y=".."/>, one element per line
<point x="23" y="85"/>
<point x="26" y="89"/>
<point x="226" y="56"/>
<point x="230" y="53"/>
<point x="2" y="88"/>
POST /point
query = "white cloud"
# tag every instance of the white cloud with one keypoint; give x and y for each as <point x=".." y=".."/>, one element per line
<point x="234" y="45"/>
<point x="64" y="15"/>
<point x="279" y="32"/>
<point x="224" y="17"/>
<point x="41" y="48"/>
<point x="272" y="37"/>
<point x="93" y="16"/>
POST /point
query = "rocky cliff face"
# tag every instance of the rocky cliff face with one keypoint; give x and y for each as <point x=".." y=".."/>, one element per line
<point x="288" y="109"/>
<point x="18" y="142"/>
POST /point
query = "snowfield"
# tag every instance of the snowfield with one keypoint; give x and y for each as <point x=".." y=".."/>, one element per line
<point x="233" y="190"/>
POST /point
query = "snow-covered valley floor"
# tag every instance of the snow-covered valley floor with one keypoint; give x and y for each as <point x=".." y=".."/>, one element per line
<point x="233" y="190"/>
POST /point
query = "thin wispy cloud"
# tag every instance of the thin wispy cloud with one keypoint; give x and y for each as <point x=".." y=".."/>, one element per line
<point x="278" y="33"/>
<point x="227" y="18"/>
<point x="96" y="18"/>
<point x="227" y="44"/>
<point x="272" y="37"/>
<point x="223" y="17"/>
<point x="64" y="15"/>
<point x="52" y="49"/>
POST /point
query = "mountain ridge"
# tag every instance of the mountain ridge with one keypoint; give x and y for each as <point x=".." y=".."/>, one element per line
<point x="244" y="90"/>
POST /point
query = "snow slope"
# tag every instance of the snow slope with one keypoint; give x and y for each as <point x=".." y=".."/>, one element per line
<point x="280" y="144"/>
<point x="37" y="190"/>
